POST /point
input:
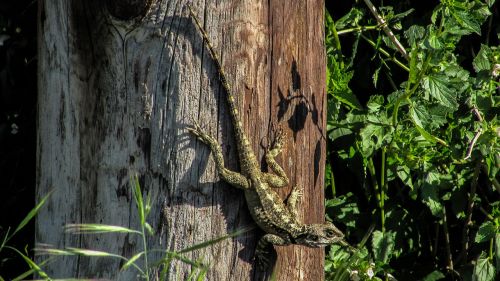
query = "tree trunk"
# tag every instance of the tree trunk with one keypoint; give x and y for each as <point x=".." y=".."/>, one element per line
<point x="118" y="84"/>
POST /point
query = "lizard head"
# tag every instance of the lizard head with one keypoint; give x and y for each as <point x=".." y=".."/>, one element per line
<point x="320" y="235"/>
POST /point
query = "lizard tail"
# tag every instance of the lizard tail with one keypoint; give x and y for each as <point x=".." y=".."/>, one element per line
<point x="241" y="139"/>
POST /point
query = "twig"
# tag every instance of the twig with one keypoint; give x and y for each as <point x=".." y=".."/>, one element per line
<point x="477" y="135"/>
<point x="386" y="29"/>
<point x="477" y="113"/>
<point x="472" y="143"/>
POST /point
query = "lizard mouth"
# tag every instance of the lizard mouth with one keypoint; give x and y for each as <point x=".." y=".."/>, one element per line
<point x="320" y="244"/>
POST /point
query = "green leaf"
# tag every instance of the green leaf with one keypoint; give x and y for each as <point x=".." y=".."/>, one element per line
<point x="375" y="134"/>
<point x="438" y="87"/>
<point x="352" y="18"/>
<point x="428" y="116"/>
<point x="467" y="21"/>
<point x="484" y="270"/>
<point x="434" y="42"/>
<point x="383" y="245"/>
<point x="338" y="84"/>
<point x="348" y="98"/>
<point x="419" y="115"/>
<point x="429" y="193"/>
<point x="433" y="276"/>
<point x="375" y="103"/>
<point x="481" y="61"/>
<point x="486" y="232"/>
<point x="404" y="174"/>
<point x="414" y="33"/>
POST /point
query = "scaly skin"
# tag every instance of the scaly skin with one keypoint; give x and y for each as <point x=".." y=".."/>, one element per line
<point x="277" y="219"/>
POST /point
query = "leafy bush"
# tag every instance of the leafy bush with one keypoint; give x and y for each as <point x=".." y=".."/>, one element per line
<point x="422" y="148"/>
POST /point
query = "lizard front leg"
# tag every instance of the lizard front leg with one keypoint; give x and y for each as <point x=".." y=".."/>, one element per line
<point x="293" y="199"/>
<point x="233" y="178"/>
<point x="280" y="179"/>
<point x="263" y="246"/>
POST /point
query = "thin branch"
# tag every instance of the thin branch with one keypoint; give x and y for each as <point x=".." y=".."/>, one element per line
<point x="386" y="29"/>
<point x="385" y="53"/>
<point x="472" y="143"/>
<point x="477" y="135"/>
<point x="357" y="29"/>
<point x="478" y="114"/>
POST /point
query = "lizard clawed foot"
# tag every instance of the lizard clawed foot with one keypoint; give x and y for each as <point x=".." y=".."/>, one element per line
<point x="277" y="145"/>
<point x="196" y="130"/>
<point x="297" y="192"/>
<point x="279" y="138"/>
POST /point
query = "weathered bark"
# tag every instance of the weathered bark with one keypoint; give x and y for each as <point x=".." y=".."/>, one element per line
<point x="115" y="97"/>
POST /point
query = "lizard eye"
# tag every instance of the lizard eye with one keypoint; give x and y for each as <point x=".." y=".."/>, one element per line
<point x="330" y="233"/>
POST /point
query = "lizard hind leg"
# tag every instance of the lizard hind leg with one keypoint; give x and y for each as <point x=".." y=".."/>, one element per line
<point x="233" y="178"/>
<point x="279" y="179"/>
<point x="263" y="253"/>
<point x="293" y="200"/>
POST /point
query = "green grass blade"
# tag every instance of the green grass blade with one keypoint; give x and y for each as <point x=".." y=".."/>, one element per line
<point x="31" y="263"/>
<point x="24" y="275"/>
<point x="31" y="214"/>
<point x="89" y="228"/>
<point x="139" y="201"/>
<point x="202" y="274"/>
<point x="5" y="239"/>
<point x="131" y="261"/>
<point x="53" y="252"/>
<point x="93" y="253"/>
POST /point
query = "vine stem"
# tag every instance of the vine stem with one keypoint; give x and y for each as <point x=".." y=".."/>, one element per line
<point x="357" y="29"/>
<point x="386" y="29"/>
<point x="385" y="53"/>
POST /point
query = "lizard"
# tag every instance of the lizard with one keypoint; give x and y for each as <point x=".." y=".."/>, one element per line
<point x="278" y="219"/>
